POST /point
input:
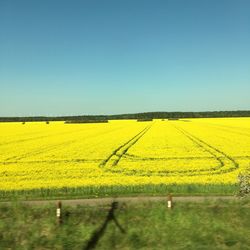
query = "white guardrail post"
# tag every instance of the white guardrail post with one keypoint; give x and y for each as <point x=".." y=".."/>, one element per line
<point x="59" y="212"/>
<point x="170" y="201"/>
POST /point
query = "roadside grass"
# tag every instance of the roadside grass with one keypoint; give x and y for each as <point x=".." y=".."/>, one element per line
<point x="207" y="225"/>
<point x="113" y="191"/>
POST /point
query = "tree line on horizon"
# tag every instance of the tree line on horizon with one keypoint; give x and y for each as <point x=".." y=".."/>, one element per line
<point x="146" y="115"/>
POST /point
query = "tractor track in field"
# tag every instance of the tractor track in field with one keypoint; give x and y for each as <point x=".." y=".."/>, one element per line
<point x="217" y="154"/>
<point x="204" y="145"/>
<point x="45" y="136"/>
<point x="51" y="147"/>
<point x="139" y="158"/>
<point x="228" y="129"/>
<point x="214" y="152"/>
<point x="40" y="137"/>
<point x="79" y="160"/>
<point x="38" y="151"/>
<point x="121" y="150"/>
<point x="201" y="171"/>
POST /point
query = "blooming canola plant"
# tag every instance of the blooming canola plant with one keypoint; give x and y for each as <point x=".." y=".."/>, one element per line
<point x="203" y="151"/>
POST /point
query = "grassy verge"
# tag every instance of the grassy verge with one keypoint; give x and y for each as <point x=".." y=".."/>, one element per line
<point x="105" y="191"/>
<point x="217" y="225"/>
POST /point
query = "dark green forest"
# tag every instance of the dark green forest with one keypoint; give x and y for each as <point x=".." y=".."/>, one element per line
<point x="146" y="115"/>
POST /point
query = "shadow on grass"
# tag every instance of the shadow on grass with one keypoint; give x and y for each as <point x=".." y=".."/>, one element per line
<point x="98" y="233"/>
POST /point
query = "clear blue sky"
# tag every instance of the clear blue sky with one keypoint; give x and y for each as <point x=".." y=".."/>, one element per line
<point x="123" y="56"/>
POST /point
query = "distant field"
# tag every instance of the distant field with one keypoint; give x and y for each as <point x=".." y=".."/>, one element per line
<point x="127" y="156"/>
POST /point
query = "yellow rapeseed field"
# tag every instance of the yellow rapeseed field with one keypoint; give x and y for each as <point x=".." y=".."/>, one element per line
<point x="55" y="155"/>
